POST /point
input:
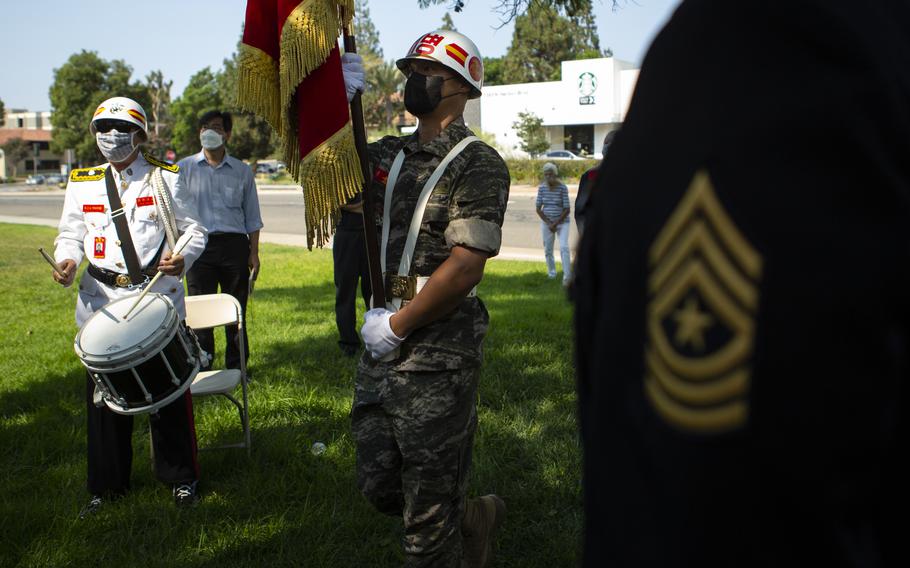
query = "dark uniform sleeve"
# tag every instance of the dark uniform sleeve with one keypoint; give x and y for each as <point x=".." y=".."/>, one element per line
<point x="478" y="203"/>
<point x="743" y="316"/>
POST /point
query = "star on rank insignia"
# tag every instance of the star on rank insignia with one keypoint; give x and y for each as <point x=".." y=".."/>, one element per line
<point x="703" y="297"/>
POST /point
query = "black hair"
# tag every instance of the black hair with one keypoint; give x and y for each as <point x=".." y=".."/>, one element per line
<point x="223" y="115"/>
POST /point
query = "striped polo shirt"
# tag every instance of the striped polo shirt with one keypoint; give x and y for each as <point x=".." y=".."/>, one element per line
<point x="553" y="201"/>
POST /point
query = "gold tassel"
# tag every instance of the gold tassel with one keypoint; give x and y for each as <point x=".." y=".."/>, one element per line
<point x="330" y="176"/>
<point x="257" y="85"/>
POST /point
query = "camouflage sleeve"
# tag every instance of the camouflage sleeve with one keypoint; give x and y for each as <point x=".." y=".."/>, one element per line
<point x="379" y="149"/>
<point x="379" y="152"/>
<point x="478" y="203"/>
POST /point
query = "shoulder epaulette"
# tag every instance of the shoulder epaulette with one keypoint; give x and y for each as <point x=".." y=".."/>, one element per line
<point x="87" y="174"/>
<point x="173" y="168"/>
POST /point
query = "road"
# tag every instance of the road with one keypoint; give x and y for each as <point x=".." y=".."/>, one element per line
<point x="282" y="213"/>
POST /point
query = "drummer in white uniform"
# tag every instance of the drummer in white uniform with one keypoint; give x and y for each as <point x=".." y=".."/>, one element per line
<point x="88" y="228"/>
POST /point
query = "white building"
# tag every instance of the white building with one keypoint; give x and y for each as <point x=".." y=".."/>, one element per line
<point x="590" y="100"/>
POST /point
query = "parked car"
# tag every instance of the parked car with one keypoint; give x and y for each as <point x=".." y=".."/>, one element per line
<point x="35" y="180"/>
<point x="266" y="169"/>
<point x="561" y="155"/>
<point x="55" y="179"/>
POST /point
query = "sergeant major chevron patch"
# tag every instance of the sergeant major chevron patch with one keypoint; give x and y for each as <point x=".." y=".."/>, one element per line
<point x="703" y="297"/>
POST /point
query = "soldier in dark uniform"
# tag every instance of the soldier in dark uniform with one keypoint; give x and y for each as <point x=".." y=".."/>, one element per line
<point x="414" y="412"/>
<point x="349" y="266"/>
<point x="586" y="183"/>
<point x="743" y="316"/>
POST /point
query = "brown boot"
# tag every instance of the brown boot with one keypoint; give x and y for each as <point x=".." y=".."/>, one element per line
<point x="482" y="518"/>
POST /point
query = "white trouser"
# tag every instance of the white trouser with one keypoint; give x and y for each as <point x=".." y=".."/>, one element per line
<point x="548" y="237"/>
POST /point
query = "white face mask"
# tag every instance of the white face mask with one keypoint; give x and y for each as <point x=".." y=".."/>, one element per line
<point x="211" y="139"/>
<point x="115" y="146"/>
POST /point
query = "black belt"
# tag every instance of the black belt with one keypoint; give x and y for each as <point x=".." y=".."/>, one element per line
<point x="117" y="279"/>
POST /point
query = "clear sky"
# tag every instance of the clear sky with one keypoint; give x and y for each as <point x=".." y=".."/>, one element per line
<point x="180" y="37"/>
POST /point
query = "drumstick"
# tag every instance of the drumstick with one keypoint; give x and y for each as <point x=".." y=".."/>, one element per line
<point x="181" y="242"/>
<point x="51" y="261"/>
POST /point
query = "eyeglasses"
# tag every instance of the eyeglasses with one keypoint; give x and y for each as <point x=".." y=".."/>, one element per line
<point x="105" y="125"/>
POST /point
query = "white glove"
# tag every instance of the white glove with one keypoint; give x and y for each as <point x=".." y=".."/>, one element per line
<point x="377" y="333"/>
<point x="354" y="77"/>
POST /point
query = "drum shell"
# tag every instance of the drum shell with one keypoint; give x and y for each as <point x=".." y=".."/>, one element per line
<point x="154" y="374"/>
<point x="150" y="372"/>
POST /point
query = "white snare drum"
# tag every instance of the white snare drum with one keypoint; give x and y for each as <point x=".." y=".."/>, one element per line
<point x="142" y="363"/>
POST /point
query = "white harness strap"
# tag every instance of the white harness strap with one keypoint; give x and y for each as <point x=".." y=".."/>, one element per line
<point x="404" y="266"/>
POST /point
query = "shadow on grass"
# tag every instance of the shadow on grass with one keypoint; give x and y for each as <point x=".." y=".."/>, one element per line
<point x="284" y="505"/>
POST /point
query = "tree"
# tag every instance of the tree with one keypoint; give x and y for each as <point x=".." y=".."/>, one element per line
<point x="2" y="113"/>
<point x="365" y="32"/>
<point x="510" y="9"/>
<point x="384" y="84"/>
<point x="201" y="95"/>
<point x="492" y="71"/>
<point x="159" y="92"/>
<point x="80" y="84"/>
<point x="543" y="38"/>
<point x="530" y="130"/>
<point x="448" y="23"/>
<point x="16" y="150"/>
<point x="251" y="137"/>
<point x="381" y="101"/>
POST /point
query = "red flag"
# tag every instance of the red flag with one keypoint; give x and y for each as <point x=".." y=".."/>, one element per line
<point x="290" y="74"/>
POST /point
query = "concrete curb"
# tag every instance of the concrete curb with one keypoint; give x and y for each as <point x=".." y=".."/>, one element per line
<point x="507" y="253"/>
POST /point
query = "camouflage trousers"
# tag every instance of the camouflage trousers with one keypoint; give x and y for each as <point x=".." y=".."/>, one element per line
<point x="414" y="433"/>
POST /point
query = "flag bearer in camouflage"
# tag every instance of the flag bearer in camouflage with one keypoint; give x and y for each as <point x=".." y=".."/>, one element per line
<point x="441" y="196"/>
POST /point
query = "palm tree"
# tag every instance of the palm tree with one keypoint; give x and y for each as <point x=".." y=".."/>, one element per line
<point x="386" y="81"/>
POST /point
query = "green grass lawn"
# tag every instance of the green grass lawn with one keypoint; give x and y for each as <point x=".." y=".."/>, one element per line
<point x="282" y="506"/>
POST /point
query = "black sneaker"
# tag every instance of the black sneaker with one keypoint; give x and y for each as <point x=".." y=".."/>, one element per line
<point x="92" y="507"/>
<point x="349" y="349"/>
<point x="185" y="494"/>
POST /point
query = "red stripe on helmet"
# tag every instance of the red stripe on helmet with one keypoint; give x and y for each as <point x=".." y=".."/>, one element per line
<point x="137" y="115"/>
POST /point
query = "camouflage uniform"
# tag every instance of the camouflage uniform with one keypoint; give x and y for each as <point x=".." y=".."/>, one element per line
<point x="414" y="417"/>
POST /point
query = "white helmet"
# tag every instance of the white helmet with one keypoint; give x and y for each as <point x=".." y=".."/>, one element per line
<point x="451" y="49"/>
<point x="121" y="108"/>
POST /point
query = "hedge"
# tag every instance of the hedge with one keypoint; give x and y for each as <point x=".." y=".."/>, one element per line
<point x="522" y="171"/>
<point x="530" y="172"/>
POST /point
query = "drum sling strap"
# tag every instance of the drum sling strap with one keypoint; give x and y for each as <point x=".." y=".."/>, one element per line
<point x="404" y="266"/>
<point x="123" y="229"/>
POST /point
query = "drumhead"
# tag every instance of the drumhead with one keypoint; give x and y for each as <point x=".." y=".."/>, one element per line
<point x="107" y="338"/>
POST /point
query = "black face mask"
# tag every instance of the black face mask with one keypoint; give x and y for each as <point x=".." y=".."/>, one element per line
<point x="422" y="93"/>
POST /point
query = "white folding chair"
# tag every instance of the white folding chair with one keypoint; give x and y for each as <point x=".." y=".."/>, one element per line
<point x="216" y="310"/>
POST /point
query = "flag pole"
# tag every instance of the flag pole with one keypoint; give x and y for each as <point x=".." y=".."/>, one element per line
<point x="377" y="285"/>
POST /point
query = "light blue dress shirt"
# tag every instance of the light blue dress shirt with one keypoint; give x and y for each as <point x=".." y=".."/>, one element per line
<point x="226" y="198"/>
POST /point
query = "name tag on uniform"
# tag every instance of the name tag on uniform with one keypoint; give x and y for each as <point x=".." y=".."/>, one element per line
<point x="93" y="208"/>
<point x="99" y="247"/>
<point x="381" y="175"/>
<point x="145" y="201"/>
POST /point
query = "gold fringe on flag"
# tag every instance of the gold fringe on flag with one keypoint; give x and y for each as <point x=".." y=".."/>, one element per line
<point x="309" y="34"/>
<point x="258" y="90"/>
<point x="330" y="175"/>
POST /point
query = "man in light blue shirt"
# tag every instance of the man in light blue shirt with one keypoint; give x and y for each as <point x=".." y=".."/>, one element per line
<point x="225" y="192"/>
